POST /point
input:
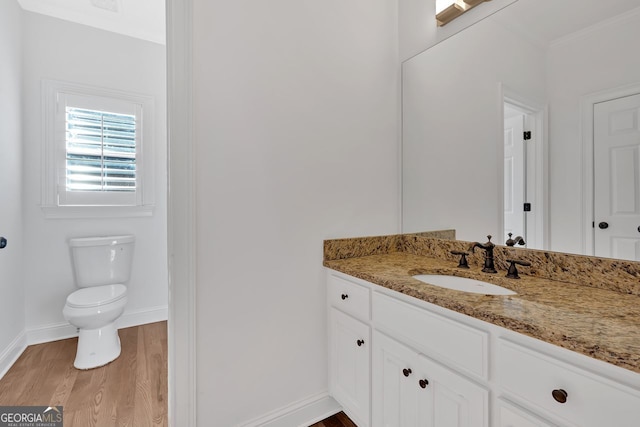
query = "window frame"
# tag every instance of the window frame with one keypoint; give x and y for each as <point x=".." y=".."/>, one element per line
<point x="56" y="202"/>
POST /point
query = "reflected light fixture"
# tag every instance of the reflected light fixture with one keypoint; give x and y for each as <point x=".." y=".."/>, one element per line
<point x="448" y="10"/>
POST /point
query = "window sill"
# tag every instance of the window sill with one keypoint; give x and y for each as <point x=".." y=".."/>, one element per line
<point x="62" y="212"/>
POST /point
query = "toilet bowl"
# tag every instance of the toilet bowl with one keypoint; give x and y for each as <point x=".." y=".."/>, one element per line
<point x="101" y="266"/>
<point x="94" y="312"/>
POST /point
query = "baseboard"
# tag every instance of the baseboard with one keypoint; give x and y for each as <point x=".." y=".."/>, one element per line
<point x="142" y="317"/>
<point x="302" y="413"/>
<point x="48" y="333"/>
<point x="9" y="356"/>
<point x="63" y="330"/>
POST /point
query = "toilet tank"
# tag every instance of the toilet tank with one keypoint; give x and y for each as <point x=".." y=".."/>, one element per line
<point x="102" y="260"/>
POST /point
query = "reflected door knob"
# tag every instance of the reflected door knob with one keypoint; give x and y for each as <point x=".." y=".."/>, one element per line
<point x="344" y="296"/>
<point x="406" y="372"/>
<point x="604" y="225"/>
<point x="559" y="395"/>
<point x="423" y="383"/>
<point x="360" y="342"/>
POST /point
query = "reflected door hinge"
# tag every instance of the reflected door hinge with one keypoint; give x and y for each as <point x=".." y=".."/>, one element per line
<point x="527" y="135"/>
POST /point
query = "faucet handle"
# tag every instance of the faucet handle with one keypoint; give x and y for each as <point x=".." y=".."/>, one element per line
<point x="463" y="258"/>
<point x="513" y="271"/>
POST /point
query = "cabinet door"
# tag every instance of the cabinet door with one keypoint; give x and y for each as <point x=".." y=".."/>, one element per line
<point x="410" y="390"/>
<point x="394" y="397"/>
<point x="350" y="363"/>
<point x="447" y="399"/>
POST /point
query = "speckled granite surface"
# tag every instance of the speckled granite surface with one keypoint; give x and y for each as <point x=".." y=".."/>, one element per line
<point x="592" y="307"/>
<point x="605" y="273"/>
<point x="438" y="234"/>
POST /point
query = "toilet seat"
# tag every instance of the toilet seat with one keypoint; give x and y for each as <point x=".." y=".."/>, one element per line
<point x="96" y="296"/>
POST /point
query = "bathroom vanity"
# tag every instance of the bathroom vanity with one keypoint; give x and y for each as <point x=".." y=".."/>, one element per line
<point x="405" y="353"/>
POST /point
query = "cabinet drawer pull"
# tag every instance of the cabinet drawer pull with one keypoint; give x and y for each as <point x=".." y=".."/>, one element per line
<point x="423" y="383"/>
<point x="344" y="296"/>
<point x="559" y="395"/>
<point x="360" y="342"/>
<point x="406" y="372"/>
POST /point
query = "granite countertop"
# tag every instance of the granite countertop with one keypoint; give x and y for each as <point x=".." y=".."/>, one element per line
<point x="598" y="322"/>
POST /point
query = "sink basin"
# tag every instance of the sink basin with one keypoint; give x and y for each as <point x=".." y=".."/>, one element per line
<point x="464" y="284"/>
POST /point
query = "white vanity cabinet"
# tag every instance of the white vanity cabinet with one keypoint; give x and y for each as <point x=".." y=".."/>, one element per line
<point x="397" y="361"/>
<point x="350" y="348"/>
<point x="410" y="389"/>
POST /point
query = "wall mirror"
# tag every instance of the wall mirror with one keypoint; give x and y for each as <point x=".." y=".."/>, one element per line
<point x="528" y="122"/>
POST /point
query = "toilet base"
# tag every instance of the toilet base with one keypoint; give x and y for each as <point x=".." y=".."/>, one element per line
<point x="97" y="347"/>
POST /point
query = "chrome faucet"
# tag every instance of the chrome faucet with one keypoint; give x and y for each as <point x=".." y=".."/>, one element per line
<point x="489" y="267"/>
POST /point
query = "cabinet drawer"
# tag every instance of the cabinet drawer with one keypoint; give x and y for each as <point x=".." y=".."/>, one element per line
<point x="510" y="416"/>
<point x="349" y="297"/>
<point x="591" y="400"/>
<point x="460" y="346"/>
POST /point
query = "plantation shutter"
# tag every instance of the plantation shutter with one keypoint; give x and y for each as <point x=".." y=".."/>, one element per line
<point x="100" y="150"/>
<point x="98" y="157"/>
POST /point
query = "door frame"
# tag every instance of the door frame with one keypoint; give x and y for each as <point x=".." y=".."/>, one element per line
<point x="181" y="219"/>
<point x="540" y="113"/>
<point x="519" y="169"/>
<point x="587" y="103"/>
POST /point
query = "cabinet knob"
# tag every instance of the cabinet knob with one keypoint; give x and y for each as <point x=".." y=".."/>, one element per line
<point x="559" y="395"/>
<point x="344" y="296"/>
<point x="406" y="372"/>
<point x="423" y="383"/>
<point x="360" y="342"/>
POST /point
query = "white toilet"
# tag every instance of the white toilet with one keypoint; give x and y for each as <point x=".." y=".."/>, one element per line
<point x="102" y="266"/>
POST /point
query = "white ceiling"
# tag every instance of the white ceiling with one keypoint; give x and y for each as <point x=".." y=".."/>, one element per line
<point x="143" y="19"/>
<point x="546" y="21"/>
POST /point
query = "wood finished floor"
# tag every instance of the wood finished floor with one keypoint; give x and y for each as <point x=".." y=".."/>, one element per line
<point x="130" y="391"/>
<point x="337" y="420"/>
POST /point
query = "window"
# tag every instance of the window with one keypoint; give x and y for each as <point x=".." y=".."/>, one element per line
<point x="100" y="150"/>
<point x="95" y="162"/>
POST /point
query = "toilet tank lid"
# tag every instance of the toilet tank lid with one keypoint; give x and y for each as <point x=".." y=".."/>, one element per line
<point x="101" y="240"/>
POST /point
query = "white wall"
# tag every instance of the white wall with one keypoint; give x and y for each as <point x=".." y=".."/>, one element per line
<point x="60" y="50"/>
<point x="296" y="141"/>
<point x="451" y="128"/>
<point x="12" y="319"/>
<point x="601" y="59"/>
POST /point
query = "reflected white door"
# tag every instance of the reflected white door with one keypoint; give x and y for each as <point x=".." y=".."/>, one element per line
<point x="617" y="178"/>
<point x="514" y="177"/>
